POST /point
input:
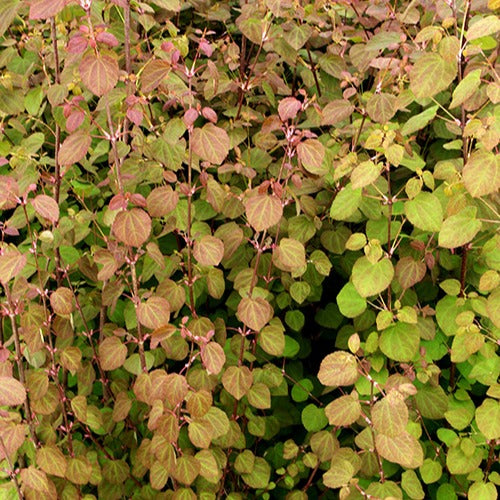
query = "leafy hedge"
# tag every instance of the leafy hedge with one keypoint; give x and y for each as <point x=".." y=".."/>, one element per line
<point x="249" y="249"/>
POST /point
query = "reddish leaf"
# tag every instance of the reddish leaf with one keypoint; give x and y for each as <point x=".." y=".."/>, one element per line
<point x="99" y="72"/>
<point x="409" y="271"/>
<point x="288" y="108"/>
<point x="336" y="111"/>
<point x="11" y="264"/>
<point x="135" y="115"/>
<point x="62" y="301"/>
<point x="311" y="153"/>
<point x="211" y="143"/>
<point x="74" y="148"/>
<point x="108" y="38"/>
<point x="43" y="9"/>
<point x="35" y="479"/>
<point x="112" y="353"/>
<point x="51" y="460"/>
<point x="12" y="392"/>
<point x="263" y="211"/>
<point x="46" y="206"/>
<point x="237" y="380"/>
<point x="208" y="250"/>
<point x="132" y="227"/>
<point x="213" y="358"/>
<point x="74" y="120"/>
<point x="254" y="313"/>
<point x="77" y="44"/>
<point x="13" y="436"/>
<point x="161" y="201"/>
<point x="154" y="313"/>
<point x="153" y="74"/>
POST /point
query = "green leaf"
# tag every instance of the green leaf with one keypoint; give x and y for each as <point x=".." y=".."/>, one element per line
<point x="74" y="148"/>
<point x="299" y="291"/>
<point x="8" y="11"/>
<point x="272" y="339"/>
<point x="99" y="71"/>
<point x="488" y="418"/>
<point x="481" y="173"/>
<point x="482" y="491"/>
<point x="364" y="174"/>
<point x="211" y="143"/>
<point x="425" y="212"/>
<point x="381" y="107"/>
<point x="371" y="279"/>
<point x="339" y="474"/>
<point x="12" y="392"/>
<point x="259" y="396"/>
<point x="351" y="303"/>
<point x="311" y="154"/>
<point x="244" y="462"/>
<point x="483" y="27"/>
<point x="112" y="353"/>
<point x="208" y="250"/>
<point x="419" y="121"/>
<point x="298" y="35"/>
<point x="313" y="418"/>
<point x="411" y="485"/>
<point x="200" y="433"/>
<point x="344" y="410"/>
<point x="403" y="449"/>
<point x="237" y="380"/>
<point x="79" y="470"/>
<point x="263" y="211"/>
<point x="132" y="227"/>
<point x="254" y="313"/>
<point x="390" y="415"/>
<point x="400" y="341"/>
<point x="432" y="402"/>
<point x="431" y="74"/>
<point x="466" y="88"/>
<point x="338" y="369"/>
<point x="289" y="255"/>
<point x="459" y="229"/>
<point x="51" y="460"/>
<point x="260" y="475"/>
<point x="431" y="471"/>
<point x="460" y="463"/>
<point x="345" y="203"/>
<point x="153" y="74"/>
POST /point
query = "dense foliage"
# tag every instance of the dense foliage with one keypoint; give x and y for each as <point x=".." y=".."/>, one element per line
<point x="249" y="249"/>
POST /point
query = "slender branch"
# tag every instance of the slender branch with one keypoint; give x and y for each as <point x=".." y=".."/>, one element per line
<point x="112" y="139"/>
<point x="12" y="473"/>
<point x="19" y="360"/>
<point x="128" y="64"/>
<point x="57" y="185"/>
<point x="136" y="299"/>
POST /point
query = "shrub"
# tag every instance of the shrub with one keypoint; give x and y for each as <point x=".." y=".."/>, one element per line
<point x="249" y="248"/>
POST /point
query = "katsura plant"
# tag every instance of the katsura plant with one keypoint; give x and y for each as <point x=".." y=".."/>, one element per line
<point x="249" y="249"/>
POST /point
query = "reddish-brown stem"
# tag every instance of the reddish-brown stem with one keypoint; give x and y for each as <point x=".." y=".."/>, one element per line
<point x="19" y="360"/>
<point x="57" y="174"/>
<point x="114" y="148"/>
<point x="137" y="301"/>
<point x="11" y="471"/>
<point x="128" y="62"/>
<point x="389" y="221"/>
<point x="311" y="477"/>
<point x="314" y="72"/>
